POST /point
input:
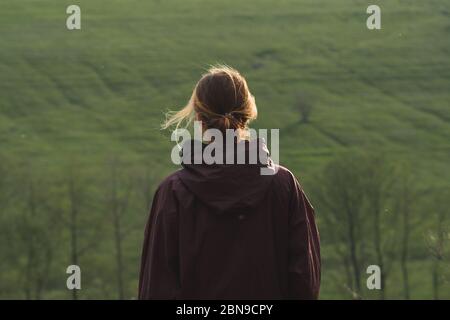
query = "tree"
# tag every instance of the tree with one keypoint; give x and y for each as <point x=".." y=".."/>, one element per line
<point x="82" y="229"/>
<point x="404" y="204"/>
<point x="75" y="201"/>
<point x="32" y="244"/>
<point x="436" y="240"/>
<point x="303" y="106"/>
<point x="377" y="187"/>
<point x="341" y="193"/>
<point x="120" y="190"/>
<point x="38" y="241"/>
<point x="355" y="193"/>
<point x="7" y="236"/>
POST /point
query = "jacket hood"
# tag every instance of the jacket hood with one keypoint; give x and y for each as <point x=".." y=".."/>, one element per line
<point x="227" y="187"/>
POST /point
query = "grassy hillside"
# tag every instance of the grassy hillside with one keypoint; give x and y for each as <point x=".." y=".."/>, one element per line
<point x="90" y="95"/>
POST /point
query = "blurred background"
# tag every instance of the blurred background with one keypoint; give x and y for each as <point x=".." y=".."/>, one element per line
<point x="363" y="115"/>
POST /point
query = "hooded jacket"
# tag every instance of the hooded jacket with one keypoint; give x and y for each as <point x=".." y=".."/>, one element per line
<point x="224" y="231"/>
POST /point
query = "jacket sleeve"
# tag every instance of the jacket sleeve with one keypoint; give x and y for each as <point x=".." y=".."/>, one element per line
<point x="159" y="275"/>
<point x="304" y="248"/>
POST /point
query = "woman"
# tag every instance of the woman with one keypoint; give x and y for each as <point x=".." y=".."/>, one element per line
<point x="224" y="231"/>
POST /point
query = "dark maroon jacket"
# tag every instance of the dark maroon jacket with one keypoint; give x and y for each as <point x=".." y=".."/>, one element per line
<point x="228" y="232"/>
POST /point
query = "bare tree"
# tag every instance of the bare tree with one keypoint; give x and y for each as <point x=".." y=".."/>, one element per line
<point x="146" y="181"/>
<point x="342" y="196"/>
<point x="403" y="204"/>
<point x="36" y="240"/>
<point x="378" y="185"/>
<point x="75" y="221"/>
<point x="303" y="106"/>
<point x="354" y="193"/>
<point x="436" y="240"/>
<point x="8" y="255"/>
<point x="74" y="203"/>
<point x="120" y="189"/>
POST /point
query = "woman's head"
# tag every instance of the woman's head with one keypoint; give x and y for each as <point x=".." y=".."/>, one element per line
<point x="221" y="100"/>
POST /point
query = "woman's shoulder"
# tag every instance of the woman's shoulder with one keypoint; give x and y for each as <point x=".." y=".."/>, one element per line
<point x="170" y="182"/>
<point x="286" y="180"/>
<point x="285" y="175"/>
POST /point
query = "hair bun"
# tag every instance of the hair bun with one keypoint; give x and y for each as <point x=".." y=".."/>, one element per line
<point x="224" y="121"/>
<point x="227" y="119"/>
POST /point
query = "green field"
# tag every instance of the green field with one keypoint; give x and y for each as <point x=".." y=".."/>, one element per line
<point x="78" y="99"/>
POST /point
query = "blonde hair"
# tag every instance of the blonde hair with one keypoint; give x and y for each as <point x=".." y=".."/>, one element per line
<point x="221" y="100"/>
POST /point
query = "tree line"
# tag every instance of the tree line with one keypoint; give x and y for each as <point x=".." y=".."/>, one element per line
<point x="371" y="210"/>
<point x="76" y="215"/>
<point x="375" y="211"/>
